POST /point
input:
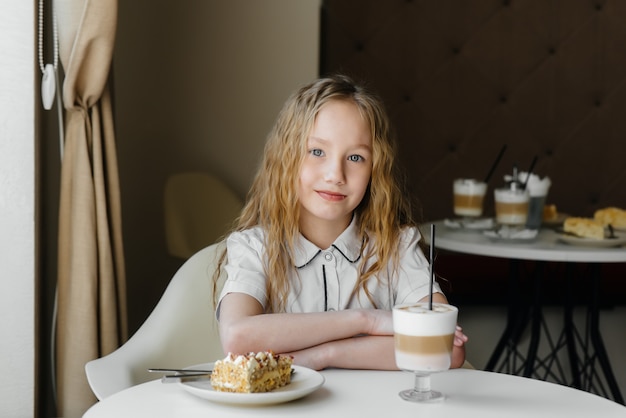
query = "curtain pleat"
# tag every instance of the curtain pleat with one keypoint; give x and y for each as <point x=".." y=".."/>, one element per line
<point x="91" y="285"/>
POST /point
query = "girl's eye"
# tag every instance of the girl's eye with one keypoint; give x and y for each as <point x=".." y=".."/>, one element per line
<point x="355" y="158"/>
<point x="317" y="152"/>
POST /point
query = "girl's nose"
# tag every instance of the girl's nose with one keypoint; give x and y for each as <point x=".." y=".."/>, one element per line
<point x="334" y="172"/>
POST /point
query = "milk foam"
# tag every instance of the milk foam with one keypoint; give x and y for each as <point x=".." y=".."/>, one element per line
<point x="469" y="186"/>
<point x="417" y="319"/>
<point x="536" y="186"/>
<point x="510" y="196"/>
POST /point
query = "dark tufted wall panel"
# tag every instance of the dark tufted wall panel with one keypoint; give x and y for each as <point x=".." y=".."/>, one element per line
<point x="461" y="78"/>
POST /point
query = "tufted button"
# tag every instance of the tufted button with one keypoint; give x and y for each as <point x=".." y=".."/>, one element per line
<point x="552" y="50"/>
<point x="598" y="102"/>
<point x="452" y="147"/>
<point x="598" y="7"/>
<point x="359" y="46"/>
<point x="406" y="98"/>
<point x="503" y="98"/>
<point x="549" y="152"/>
<point x="456" y="50"/>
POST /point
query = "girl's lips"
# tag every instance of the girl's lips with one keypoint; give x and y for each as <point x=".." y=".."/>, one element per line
<point x="334" y="197"/>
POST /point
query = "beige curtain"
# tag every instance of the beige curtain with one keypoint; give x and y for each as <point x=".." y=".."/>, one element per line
<point x="91" y="319"/>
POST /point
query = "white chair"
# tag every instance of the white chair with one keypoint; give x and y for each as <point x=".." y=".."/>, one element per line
<point x="199" y="209"/>
<point x="180" y="331"/>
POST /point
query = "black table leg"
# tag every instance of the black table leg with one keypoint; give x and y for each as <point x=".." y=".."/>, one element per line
<point x="596" y="338"/>
<point x="568" y="326"/>
<point x="581" y="362"/>
<point x="535" y="333"/>
<point x="517" y="318"/>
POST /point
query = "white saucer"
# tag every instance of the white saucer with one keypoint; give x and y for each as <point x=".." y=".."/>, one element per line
<point x="504" y="233"/>
<point x="477" y="224"/>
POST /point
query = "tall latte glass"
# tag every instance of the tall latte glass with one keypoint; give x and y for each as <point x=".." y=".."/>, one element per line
<point x="423" y="344"/>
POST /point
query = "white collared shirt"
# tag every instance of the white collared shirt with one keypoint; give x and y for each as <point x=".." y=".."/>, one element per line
<point x="324" y="279"/>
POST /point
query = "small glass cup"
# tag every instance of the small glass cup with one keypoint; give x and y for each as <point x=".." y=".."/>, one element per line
<point x="538" y="191"/>
<point x="511" y="206"/>
<point x="423" y="345"/>
<point x="469" y="195"/>
<point x="535" y="211"/>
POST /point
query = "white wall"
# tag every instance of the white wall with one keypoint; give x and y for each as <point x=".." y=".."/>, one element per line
<point x="198" y="85"/>
<point x="17" y="208"/>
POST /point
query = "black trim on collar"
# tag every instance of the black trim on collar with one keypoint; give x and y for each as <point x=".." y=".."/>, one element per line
<point x="309" y="262"/>
<point x="346" y="257"/>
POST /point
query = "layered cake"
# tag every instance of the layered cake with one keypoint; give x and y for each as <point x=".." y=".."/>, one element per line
<point x="251" y="373"/>
<point x="611" y="216"/>
<point x="584" y="227"/>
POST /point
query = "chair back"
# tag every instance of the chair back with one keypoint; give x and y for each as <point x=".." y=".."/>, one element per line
<point x="180" y="331"/>
<point x="199" y="209"/>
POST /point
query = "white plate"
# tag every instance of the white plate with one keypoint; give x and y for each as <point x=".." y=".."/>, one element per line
<point x="620" y="239"/>
<point x="303" y="382"/>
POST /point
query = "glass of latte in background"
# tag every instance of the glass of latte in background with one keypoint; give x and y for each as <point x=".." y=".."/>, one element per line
<point x="511" y="206"/>
<point x="423" y="344"/>
<point x="469" y="195"/>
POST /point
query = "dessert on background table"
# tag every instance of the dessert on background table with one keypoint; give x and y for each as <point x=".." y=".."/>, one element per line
<point x="613" y="216"/>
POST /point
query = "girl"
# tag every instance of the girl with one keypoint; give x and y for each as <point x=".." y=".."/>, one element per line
<point x="326" y="243"/>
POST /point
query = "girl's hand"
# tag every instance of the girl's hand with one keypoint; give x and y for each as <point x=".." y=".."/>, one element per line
<point x="458" y="348"/>
<point x="459" y="338"/>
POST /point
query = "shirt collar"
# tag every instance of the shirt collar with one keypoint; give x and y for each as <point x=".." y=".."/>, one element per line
<point x="348" y="244"/>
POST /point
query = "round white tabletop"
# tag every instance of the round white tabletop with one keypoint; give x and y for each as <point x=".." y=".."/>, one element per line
<point x="470" y="393"/>
<point x="546" y="246"/>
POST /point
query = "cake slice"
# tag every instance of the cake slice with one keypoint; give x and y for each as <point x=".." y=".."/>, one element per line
<point x="584" y="227"/>
<point x="251" y="373"/>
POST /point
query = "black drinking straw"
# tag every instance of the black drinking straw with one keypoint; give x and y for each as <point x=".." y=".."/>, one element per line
<point x="530" y="170"/>
<point x="432" y="266"/>
<point x="495" y="164"/>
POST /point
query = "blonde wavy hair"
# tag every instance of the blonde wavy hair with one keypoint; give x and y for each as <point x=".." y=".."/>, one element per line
<point x="272" y="202"/>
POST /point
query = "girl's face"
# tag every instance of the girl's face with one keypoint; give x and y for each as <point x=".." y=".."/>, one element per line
<point x="337" y="166"/>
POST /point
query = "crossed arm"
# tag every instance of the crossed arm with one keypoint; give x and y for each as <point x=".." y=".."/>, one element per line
<point x="352" y="338"/>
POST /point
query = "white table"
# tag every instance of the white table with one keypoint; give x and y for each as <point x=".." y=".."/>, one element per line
<point x="546" y="247"/>
<point x="361" y="393"/>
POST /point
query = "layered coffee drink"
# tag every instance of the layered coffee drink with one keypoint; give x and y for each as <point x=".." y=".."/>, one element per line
<point x="511" y="206"/>
<point x="468" y="197"/>
<point x="423" y="337"/>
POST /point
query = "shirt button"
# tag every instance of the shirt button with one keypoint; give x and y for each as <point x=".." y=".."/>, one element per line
<point x="328" y="256"/>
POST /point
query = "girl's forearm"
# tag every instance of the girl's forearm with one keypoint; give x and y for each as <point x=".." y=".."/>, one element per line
<point x="364" y="352"/>
<point x="284" y="333"/>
